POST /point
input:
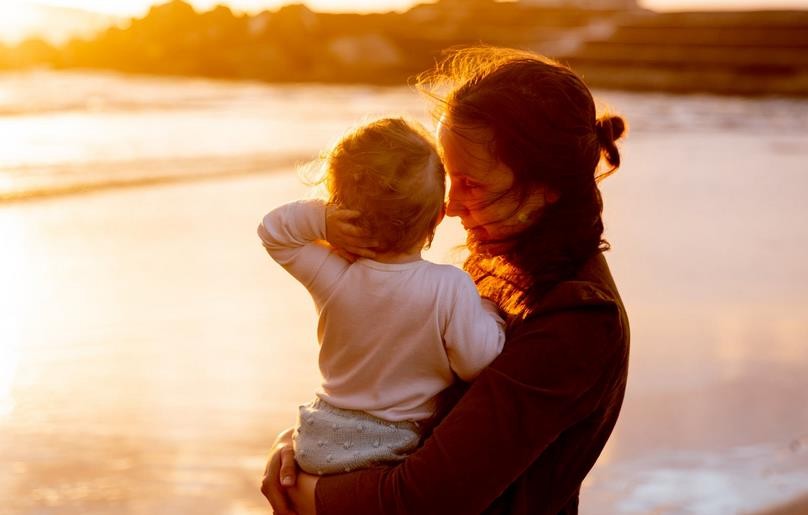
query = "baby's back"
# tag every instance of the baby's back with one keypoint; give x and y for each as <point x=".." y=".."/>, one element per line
<point x="382" y="330"/>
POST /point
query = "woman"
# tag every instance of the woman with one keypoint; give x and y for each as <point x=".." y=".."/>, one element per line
<point x="522" y="147"/>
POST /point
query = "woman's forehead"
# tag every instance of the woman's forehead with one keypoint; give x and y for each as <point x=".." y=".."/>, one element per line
<point x="465" y="150"/>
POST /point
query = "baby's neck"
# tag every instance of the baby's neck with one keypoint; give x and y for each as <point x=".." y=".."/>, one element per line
<point x="398" y="257"/>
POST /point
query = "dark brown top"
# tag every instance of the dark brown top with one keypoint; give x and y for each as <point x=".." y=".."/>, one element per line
<point x="528" y="429"/>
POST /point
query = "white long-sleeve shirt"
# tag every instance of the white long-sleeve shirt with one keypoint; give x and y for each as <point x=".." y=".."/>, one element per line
<point x="391" y="335"/>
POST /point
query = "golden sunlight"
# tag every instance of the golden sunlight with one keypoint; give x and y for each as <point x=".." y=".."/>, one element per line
<point x="16" y="18"/>
<point x="139" y="7"/>
<point x="20" y="19"/>
<point x="57" y="19"/>
<point x="119" y="7"/>
<point x="12" y="276"/>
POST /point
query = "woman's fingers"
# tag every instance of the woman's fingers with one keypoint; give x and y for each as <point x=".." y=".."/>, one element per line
<point x="278" y="465"/>
<point x="272" y="488"/>
<point x="288" y="467"/>
<point x="303" y="494"/>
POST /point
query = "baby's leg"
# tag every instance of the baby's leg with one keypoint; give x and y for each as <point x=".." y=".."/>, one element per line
<point x="331" y="440"/>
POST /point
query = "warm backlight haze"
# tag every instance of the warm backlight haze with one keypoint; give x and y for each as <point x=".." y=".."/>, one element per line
<point x="150" y="350"/>
<point x="58" y="20"/>
<point x="138" y="7"/>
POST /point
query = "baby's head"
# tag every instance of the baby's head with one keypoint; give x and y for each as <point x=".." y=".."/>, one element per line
<point x="390" y="171"/>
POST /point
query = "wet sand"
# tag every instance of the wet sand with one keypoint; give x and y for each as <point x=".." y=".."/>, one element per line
<point x="150" y="350"/>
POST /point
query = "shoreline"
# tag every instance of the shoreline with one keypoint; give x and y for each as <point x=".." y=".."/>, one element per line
<point x="73" y="190"/>
<point x="601" y="75"/>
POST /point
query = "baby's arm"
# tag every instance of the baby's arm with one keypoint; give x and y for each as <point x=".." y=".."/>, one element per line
<point x="293" y="235"/>
<point x="475" y="332"/>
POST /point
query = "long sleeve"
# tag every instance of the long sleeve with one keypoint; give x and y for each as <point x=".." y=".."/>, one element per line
<point x="553" y="373"/>
<point x="293" y="234"/>
<point x="475" y="333"/>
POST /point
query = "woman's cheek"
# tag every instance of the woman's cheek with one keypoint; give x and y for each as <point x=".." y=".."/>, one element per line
<point x="496" y="210"/>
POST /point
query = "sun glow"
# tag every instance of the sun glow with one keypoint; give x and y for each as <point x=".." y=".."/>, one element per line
<point x="19" y="18"/>
<point x="139" y="7"/>
<point x="13" y="303"/>
<point x="16" y="18"/>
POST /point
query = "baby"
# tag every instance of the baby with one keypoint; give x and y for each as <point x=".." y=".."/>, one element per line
<point x="395" y="330"/>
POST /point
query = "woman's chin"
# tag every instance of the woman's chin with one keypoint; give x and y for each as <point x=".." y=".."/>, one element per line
<point x="475" y="237"/>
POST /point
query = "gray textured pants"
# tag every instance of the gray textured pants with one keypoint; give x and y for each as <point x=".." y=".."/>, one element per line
<point x="329" y="440"/>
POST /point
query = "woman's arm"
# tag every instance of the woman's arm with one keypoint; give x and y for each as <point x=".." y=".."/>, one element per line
<point x="288" y="490"/>
<point x="543" y="383"/>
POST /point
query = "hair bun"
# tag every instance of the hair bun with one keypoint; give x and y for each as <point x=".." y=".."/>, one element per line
<point x="609" y="129"/>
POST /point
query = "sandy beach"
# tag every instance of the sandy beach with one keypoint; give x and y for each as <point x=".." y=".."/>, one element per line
<point x="146" y="350"/>
<point x="155" y="350"/>
<point x="150" y="350"/>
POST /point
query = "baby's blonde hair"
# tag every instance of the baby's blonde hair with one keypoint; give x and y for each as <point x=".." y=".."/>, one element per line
<point x="390" y="171"/>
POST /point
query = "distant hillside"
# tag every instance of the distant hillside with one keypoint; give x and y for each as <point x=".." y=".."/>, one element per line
<point x="295" y="44"/>
<point x="625" y="48"/>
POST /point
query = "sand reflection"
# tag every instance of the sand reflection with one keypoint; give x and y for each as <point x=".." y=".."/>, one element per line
<point x="149" y="351"/>
<point x="8" y="367"/>
<point x="14" y="298"/>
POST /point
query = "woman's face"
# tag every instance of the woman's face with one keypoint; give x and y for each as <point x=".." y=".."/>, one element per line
<point x="481" y="190"/>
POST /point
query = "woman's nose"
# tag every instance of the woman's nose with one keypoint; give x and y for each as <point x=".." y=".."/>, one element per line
<point x="455" y="208"/>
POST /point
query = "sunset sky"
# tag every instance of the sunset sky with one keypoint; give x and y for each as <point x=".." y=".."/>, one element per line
<point x="137" y="7"/>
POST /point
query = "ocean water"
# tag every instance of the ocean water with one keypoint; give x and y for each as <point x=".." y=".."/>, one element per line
<point x="149" y="349"/>
<point x="66" y="132"/>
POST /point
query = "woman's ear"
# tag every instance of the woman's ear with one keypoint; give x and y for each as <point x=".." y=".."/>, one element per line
<point x="551" y="195"/>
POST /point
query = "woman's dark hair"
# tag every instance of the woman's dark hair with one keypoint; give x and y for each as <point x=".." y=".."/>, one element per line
<point x="544" y="126"/>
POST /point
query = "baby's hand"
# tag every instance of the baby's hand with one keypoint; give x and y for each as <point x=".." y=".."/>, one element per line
<point x="349" y="240"/>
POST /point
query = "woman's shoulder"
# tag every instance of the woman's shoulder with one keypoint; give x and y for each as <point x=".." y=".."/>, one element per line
<point x="591" y="288"/>
<point x="584" y="314"/>
<point x="585" y="340"/>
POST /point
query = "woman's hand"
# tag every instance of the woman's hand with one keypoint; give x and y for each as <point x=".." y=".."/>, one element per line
<point x="280" y="473"/>
<point x="302" y="494"/>
<point x="349" y="240"/>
